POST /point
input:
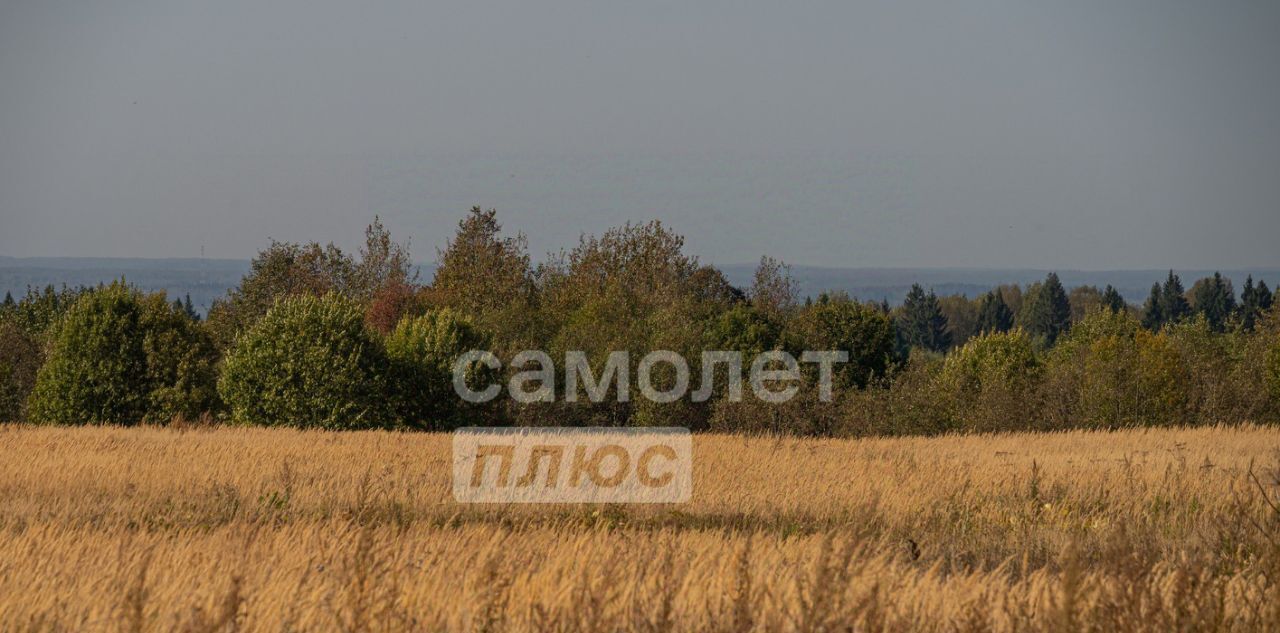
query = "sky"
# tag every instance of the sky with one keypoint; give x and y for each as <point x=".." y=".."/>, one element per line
<point x="1075" y="135"/>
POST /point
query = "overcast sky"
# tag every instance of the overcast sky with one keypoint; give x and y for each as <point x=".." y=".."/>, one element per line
<point x="1084" y="135"/>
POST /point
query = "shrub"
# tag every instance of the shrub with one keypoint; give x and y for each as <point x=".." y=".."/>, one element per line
<point x="989" y="382"/>
<point x="118" y="357"/>
<point x="421" y="352"/>
<point x="309" y="362"/>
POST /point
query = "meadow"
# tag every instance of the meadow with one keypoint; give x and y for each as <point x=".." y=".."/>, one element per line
<point x="215" y="528"/>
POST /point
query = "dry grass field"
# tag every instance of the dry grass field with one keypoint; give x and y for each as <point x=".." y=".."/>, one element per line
<point x="204" y="529"/>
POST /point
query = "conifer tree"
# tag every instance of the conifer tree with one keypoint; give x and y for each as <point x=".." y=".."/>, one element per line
<point x="1153" y="310"/>
<point x="922" y="323"/>
<point x="1050" y="313"/>
<point x="1254" y="302"/>
<point x="994" y="314"/>
<point x="1215" y="299"/>
<point x="190" y="308"/>
<point x="1248" y="305"/>
<point x="1173" y="301"/>
<point x="1112" y="300"/>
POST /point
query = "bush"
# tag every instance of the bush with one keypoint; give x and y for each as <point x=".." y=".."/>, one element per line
<point x="117" y="357"/>
<point x="421" y="352"/>
<point x="309" y="362"/>
<point x="990" y="382"/>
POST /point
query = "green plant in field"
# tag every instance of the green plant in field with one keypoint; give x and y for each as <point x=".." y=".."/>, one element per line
<point x="421" y="351"/>
<point x="119" y="357"/>
<point x="311" y="363"/>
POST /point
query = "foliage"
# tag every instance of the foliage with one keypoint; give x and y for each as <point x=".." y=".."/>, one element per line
<point x="310" y="362"/>
<point x="1047" y="311"/>
<point x="845" y="325"/>
<point x="743" y="328"/>
<point x="773" y="290"/>
<point x="921" y="322"/>
<point x="488" y="277"/>
<point x="20" y="359"/>
<point x="1214" y="299"/>
<point x="1255" y="301"/>
<point x="989" y="382"/>
<point x="1112" y="300"/>
<point x="121" y="358"/>
<point x="421" y="352"/>
<point x="1111" y="373"/>
<point x="994" y="315"/>
<point x="285" y="269"/>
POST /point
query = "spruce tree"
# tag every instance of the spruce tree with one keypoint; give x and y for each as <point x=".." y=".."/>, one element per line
<point x="1254" y="302"/>
<point x="190" y="308"/>
<point x="994" y="314"/>
<point x="922" y="323"/>
<point x="1112" y="300"/>
<point x="1248" y="305"/>
<point x="8" y="300"/>
<point x="1215" y="299"/>
<point x="1153" y="309"/>
<point x="1173" y="301"/>
<point x="1050" y="313"/>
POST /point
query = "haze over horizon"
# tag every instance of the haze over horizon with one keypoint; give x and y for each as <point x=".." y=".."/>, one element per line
<point x="1085" y="136"/>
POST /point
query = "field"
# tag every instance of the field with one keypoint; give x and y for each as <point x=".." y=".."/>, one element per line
<point x="205" y="529"/>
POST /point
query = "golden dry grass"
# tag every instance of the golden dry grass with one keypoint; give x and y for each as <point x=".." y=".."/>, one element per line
<point x="274" y="530"/>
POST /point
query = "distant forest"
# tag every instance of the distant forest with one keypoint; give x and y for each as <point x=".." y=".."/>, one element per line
<point x="207" y="279"/>
<point x="312" y="336"/>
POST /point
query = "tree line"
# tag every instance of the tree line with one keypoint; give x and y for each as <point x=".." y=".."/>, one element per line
<point x="316" y="337"/>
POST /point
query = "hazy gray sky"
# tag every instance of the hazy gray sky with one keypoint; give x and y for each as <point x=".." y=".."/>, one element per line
<point x="1005" y="134"/>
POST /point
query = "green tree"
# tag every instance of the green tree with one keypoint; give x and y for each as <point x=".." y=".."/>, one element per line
<point x="422" y="351"/>
<point x="488" y="277"/>
<point x="1049" y="313"/>
<point x="994" y="315"/>
<point x="1153" y="310"/>
<point x="744" y="328"/>
<point x="285" y="269"/>
<point x="921" y="321"/>
<point x="1214" y="298"/>
<point x="1112" y="300"/>
<point x="773" y="290"/>
<point x="117" y="357"/>
<point x="310" y="362"/>
<point x="1083" y="300"/>
<point x="962" y="317"/>
<point x="1173" y="301"/>
<point x="1255" y="301"/>
<point x="846" y="325"/>
<point x="988" y="382"/>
